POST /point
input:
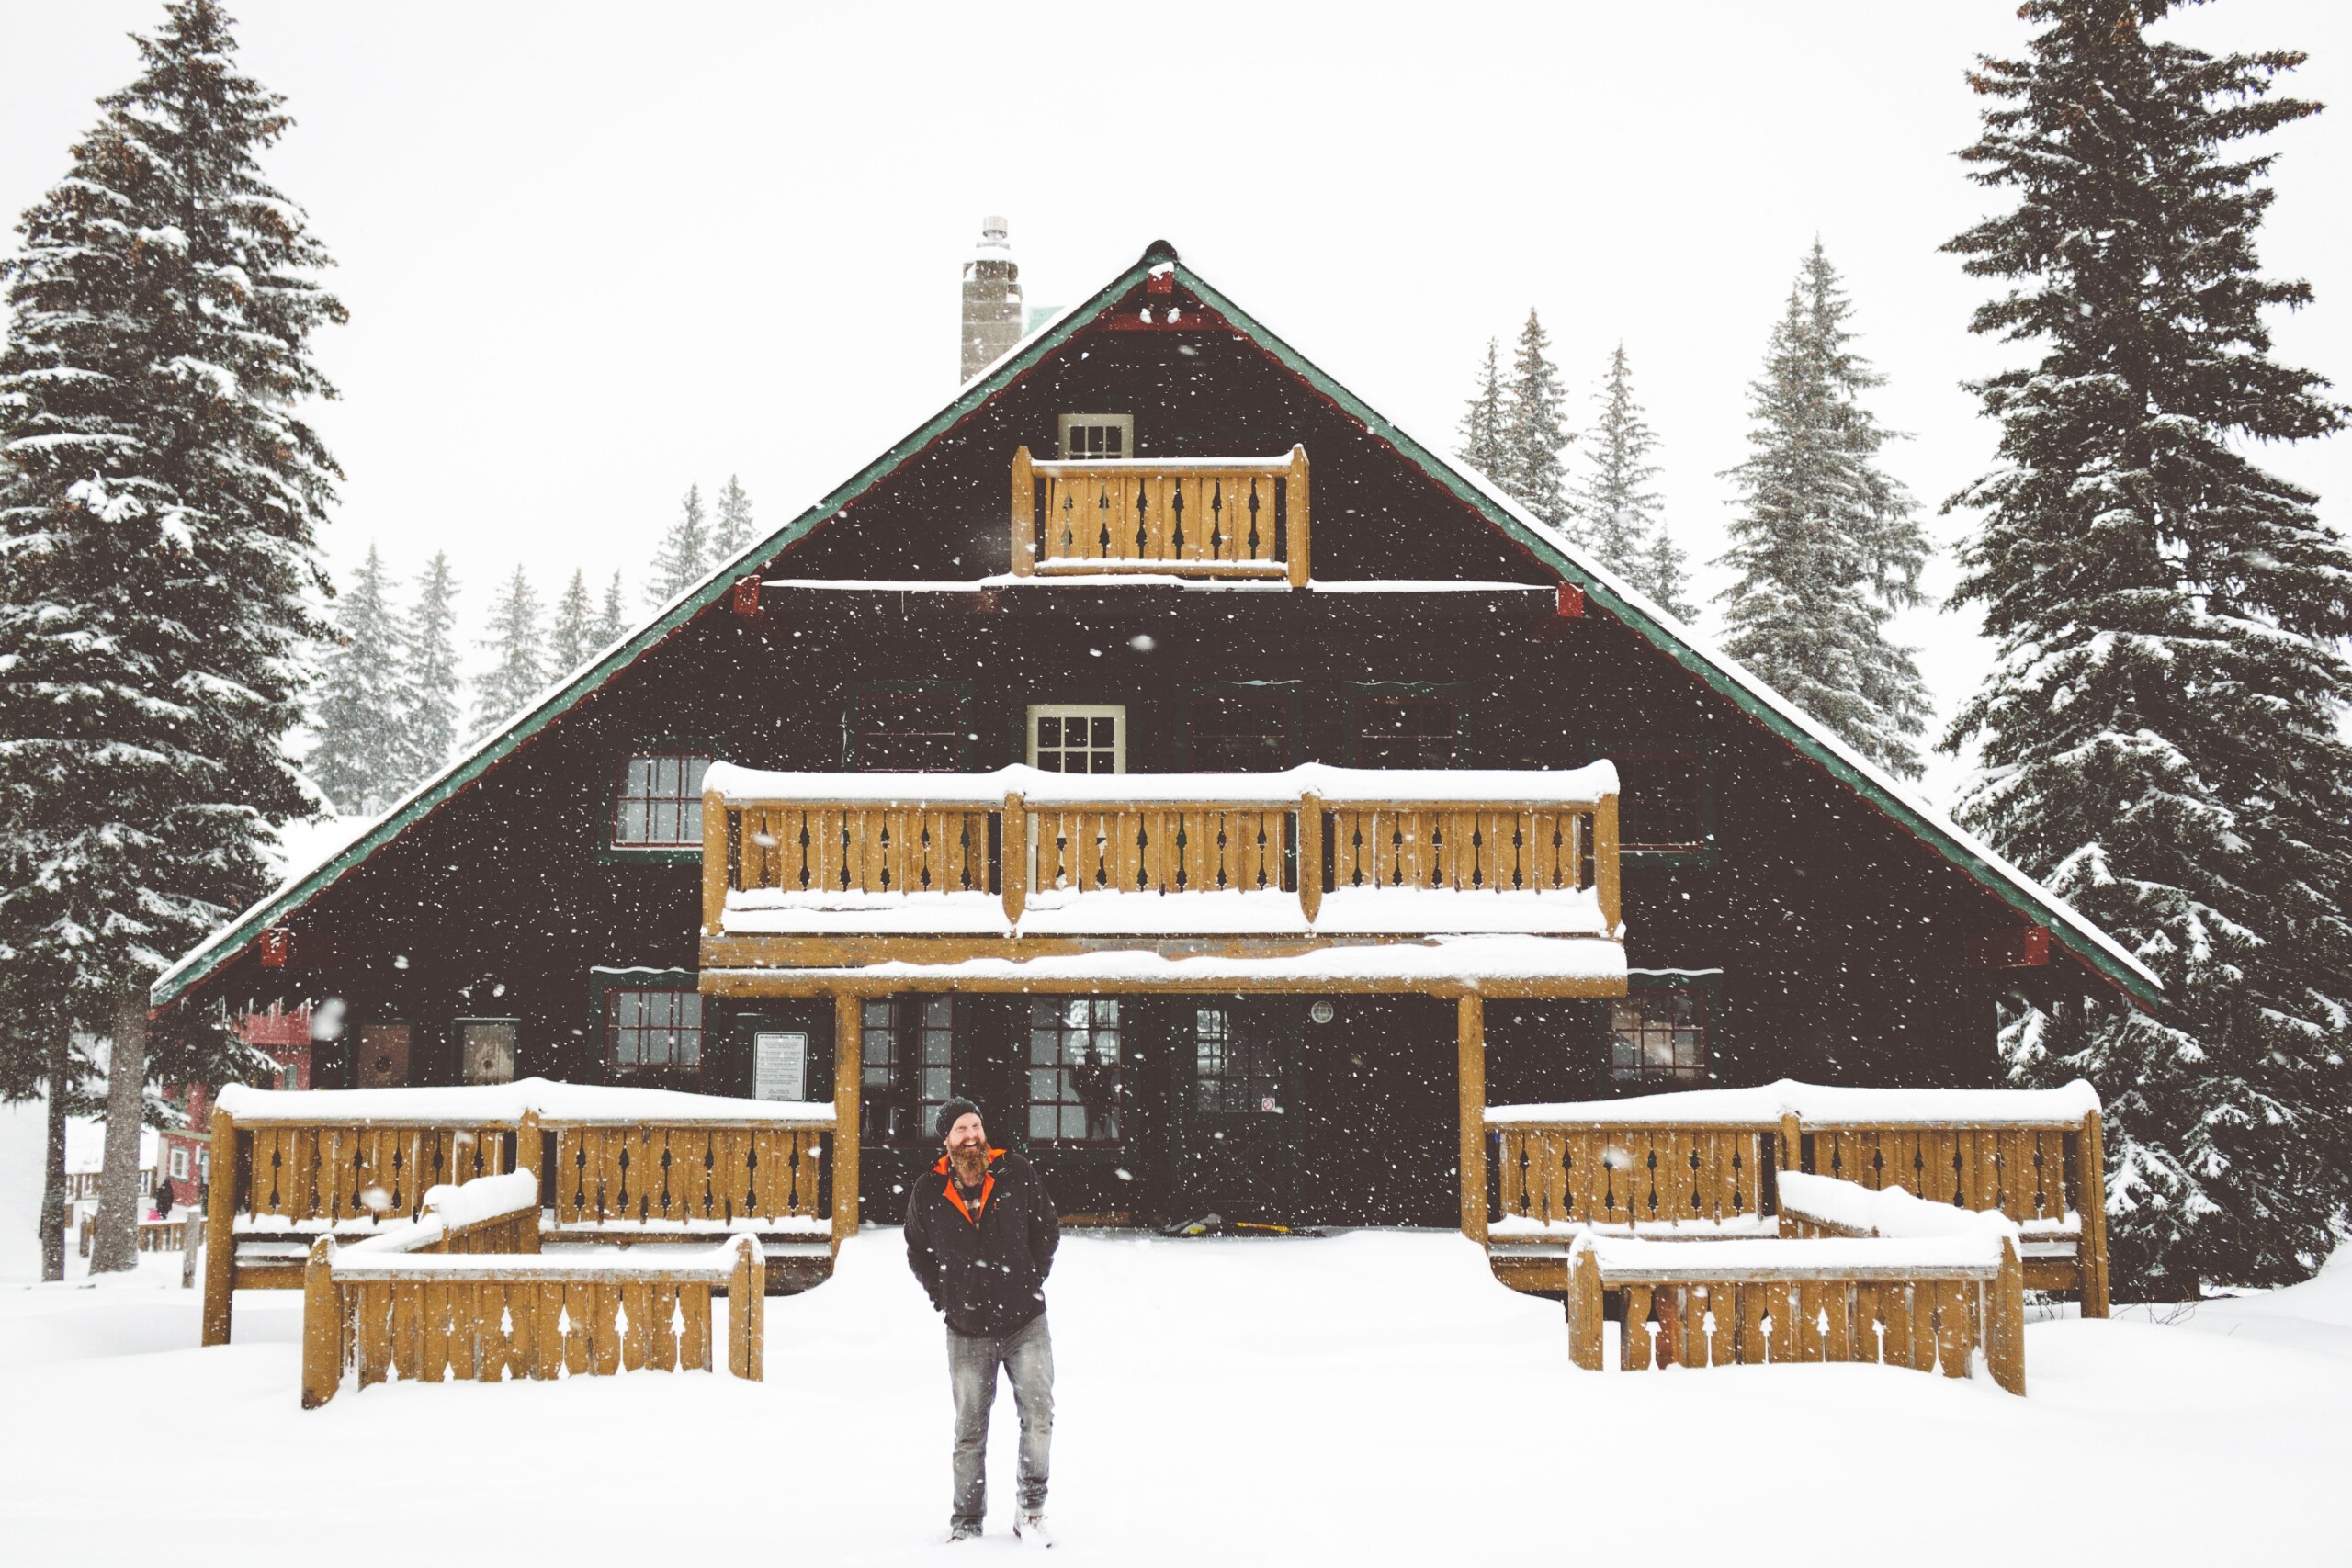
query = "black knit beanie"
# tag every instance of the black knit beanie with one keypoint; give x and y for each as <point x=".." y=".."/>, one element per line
<point x="955" y="1110"/>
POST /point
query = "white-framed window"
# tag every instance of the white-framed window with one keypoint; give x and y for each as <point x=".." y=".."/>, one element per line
<point x="179" y="1165"/>
<point x="659" y="803"/>
<point x="1078" y="738"/>
<point x="1085" y="435"/>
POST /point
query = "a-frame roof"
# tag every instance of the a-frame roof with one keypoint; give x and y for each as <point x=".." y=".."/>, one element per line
<point x="2075" y="934"/>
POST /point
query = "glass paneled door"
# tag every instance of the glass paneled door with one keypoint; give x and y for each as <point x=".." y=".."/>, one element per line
<point x="1239" y="1156"/>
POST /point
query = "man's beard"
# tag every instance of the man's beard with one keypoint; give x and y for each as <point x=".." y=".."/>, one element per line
<point x="967" y="1164"/>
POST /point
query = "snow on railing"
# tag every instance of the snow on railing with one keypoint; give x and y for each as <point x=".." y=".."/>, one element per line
<point x="1821" y="1105"/>
<point x="505" y="1105"/>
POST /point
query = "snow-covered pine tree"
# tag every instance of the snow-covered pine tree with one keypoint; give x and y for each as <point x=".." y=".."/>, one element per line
<point x="1482" y="420"/>
<point x="685" y="555"/>
<point x="430" y="682"/>
<point x="1616" y="512"/>
<point x="1826" y="543"/>
<point x="1534" y="434"/>
<point x="518" y="665"/>
<point x="733" y="529"/>
<point x="1667" y="573"/>
<point x="359" y="759"/>
<point x="2162" y="737"/>
<point x="159" y="500"/>
<point x="612" y="619"/>
<point x="569" y="638"/>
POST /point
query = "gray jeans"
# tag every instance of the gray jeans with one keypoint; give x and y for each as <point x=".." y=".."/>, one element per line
<point x="1027" y="1356"/>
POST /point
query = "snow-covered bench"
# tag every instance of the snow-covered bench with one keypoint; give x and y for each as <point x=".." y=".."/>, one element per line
<point x="1707" y="1164"/>
<point x="613" y="1166"/>
<point x="464" y="1292"/>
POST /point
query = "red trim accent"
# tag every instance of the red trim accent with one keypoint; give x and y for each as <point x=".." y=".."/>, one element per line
<point x="744" y="598"/>
<point x="1571" y="607"/>
<point x="2020" y="947"/>
<point x="277" y="945"/>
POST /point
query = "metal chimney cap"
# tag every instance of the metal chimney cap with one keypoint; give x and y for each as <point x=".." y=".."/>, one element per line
<point x="995" y="230"/>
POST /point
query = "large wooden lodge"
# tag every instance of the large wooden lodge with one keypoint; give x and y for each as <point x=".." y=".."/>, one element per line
<point x="1231" y="793"/>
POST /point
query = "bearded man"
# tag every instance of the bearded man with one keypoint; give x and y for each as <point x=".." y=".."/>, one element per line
<point x="981" y="1235"/>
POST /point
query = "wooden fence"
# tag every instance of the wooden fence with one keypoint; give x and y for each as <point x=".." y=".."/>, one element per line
<point x="949" y="836"/>
<point x="1244" y="518"/>
<point x="602" y="1177"/>
<point x="1555" y="1175"/>
<point x="480" y="1301"/>
<point x="1729" y="1303"/>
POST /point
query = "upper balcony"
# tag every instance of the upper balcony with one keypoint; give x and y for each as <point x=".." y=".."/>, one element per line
<point x="1203" y="517"/>
<point x="1315" y="879"/>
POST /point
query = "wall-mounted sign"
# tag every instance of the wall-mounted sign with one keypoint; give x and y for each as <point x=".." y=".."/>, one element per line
<point x="780" y="1064"/>
<point x="486" y="1048"/>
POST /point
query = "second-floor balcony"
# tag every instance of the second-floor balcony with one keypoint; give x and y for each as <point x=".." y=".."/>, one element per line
<point x="842" y="873"/>
<point x="1244" y="518"/>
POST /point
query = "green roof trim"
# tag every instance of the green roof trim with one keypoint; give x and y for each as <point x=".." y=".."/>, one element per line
<point x="208" y="958"/>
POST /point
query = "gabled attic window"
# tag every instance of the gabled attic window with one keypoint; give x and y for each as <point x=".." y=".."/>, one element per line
<point x="659" y="803"/>
<point x="1092" y="436"/>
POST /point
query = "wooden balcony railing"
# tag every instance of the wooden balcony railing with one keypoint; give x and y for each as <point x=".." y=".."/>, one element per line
<point x="1024" y="854"/>
<point x="1215" y="517"/>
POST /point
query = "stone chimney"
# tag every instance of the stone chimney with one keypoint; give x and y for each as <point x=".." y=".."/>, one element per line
<point x="992" y="313"/>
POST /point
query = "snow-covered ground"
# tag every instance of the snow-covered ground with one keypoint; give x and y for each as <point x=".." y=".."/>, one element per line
<point x="1372" y="1397"/>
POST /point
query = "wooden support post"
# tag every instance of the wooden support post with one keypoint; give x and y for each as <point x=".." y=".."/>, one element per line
<point x="714" y="862"/>
<point x="321" y="1326"/>
<point x="1471" y="1032"/>
<point x="1024" y="515"/>
<point x="747" y="1312"/>
<point x="2004" y="1321"/>
<point x="1310" y="856"/>
<point x="531" y="1155"/>
<point x="848" y="1019"/>
<point x="1014" y="854"/>
<point x="1301" y="560"/>
<point x="1604" y="863"/>
<point x="1790" y="1157"/>
<point x="1584" y="1309"/>
<point x="219" y="1229"/>
<point x="2091" y="1148"/>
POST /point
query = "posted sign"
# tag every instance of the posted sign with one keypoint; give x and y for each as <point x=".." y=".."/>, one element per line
<point x="780" y="1065"/>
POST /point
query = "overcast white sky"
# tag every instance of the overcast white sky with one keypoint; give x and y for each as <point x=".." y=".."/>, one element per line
<point x="593" y="253"/>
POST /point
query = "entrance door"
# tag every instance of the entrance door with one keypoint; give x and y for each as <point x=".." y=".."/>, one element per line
<point x="1239" y="1153"/>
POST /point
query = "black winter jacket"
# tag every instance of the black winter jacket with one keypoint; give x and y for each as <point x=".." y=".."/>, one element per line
<point x="989" y="1278"/>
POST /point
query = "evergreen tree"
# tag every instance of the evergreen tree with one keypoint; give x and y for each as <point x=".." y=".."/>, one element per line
<point x="612" y="621"/>
<point x="1826" y="544"/>
<point x="734" y="530"/>
<point x="1616" y="511"/>
<point x="159" y="500"/>
<point x="2162" y="737"/>
<point x="685" y="555"/>
<point x="518" y="669"/>
<point x="429" y="679"/>
<point x="569" y="639"/>
<point x="1482" y="420"/>
<point x="359" y="759"/>
<point x="1533" y="432"/>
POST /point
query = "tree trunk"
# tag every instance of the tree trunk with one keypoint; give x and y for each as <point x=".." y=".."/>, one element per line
<point x="120" y="1195"/>
<point x="53" y="1192"/>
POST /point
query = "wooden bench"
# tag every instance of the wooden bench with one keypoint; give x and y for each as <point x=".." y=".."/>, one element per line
<point x="616" y="1167"/>
<point x="1929" y="1305"/>
<point x="1704" y="1165"/>
<point x="464" y="1292"/>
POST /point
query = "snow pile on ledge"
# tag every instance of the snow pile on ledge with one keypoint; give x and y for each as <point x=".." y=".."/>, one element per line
<point x="1336" y="786"/>
<point x="1467" y="959"/>
<point x="505" y="1103"/>
<point x="1820" y="1105"/>
<point x="1892" y="1212"/>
